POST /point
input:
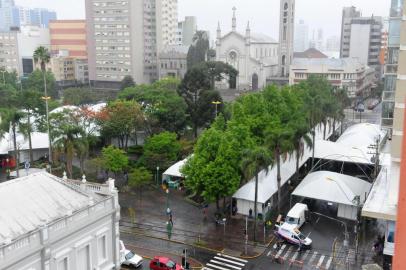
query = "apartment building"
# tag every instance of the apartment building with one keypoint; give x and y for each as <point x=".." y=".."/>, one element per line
<point x="346" y="73"/>
<point x="124" y="38"/>
<point x="69" y="36"/>
<point x="186" y="31"/>
<point x="9" y="57"/>
<point x="361" y="38"/>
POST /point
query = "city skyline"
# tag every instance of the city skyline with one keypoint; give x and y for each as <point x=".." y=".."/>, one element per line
<point x="264" y="18"/>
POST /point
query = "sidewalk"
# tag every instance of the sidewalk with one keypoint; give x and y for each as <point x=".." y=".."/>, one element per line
<point x="190" y="226"/>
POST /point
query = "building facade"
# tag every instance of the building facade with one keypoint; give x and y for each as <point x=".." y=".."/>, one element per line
<point x="69" y="36"/>
<point x="186" y="31"/>
<point x="301" y="37"/>
<point x="63" y="68"/>
<point x="124" y="37"/>
<point x="345" y="73"/>
<point x="286" y="31"/>
<point x="82" y="71"/>
<point x="9" y="57"/>
<point x="361" y="38"/>
<point x="255" y="56"/>
<point x="172" y="61"/>
<point x="54" y="223"/>
<point x="7" y="18"/>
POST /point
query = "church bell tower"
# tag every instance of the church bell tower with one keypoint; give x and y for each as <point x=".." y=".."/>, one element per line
<point x="286" y="30"/>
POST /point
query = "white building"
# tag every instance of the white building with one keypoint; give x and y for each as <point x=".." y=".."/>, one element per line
<point x="255" y="56"/>
<point x="345" y="73"/>
<point x="301" y="38"/>
<point x="173" y="61"/>
<point x="125" y="37"/>
<point x="186" y="30"/>
<point x="50" y="223"/>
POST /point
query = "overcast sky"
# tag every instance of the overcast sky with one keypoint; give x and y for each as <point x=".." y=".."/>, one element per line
<point x="262" y="14"/>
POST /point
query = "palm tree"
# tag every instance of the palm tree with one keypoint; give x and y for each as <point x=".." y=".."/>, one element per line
<point x="42" y="56"/>
<point x="255" y="160"/>
<point x="301" y="137"/>
<point x="279" y="139"/>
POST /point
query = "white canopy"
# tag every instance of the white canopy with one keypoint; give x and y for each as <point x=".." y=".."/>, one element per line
<point x="174" y="170"/>
<point x="335" y="151"/>
<point x="39" y="141"/>
<point x="332" y="187"/>
<point x="361" y="135"/>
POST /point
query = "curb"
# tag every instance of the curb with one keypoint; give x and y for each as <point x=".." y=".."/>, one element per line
<point x="197" y="246"/>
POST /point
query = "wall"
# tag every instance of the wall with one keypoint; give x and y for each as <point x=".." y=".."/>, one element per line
<point x="359" y="42"/>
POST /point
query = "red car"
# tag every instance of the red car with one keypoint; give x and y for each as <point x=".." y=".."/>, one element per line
<point x="163" y="263"/>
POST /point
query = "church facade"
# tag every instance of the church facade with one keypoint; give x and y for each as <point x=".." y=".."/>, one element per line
<point x="255" y="56"/>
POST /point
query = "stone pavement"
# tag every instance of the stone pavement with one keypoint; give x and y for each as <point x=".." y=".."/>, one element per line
<point x="190" y="224"/>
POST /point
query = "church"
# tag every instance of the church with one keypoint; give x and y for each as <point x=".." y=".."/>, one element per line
<point x="255" y="56"/>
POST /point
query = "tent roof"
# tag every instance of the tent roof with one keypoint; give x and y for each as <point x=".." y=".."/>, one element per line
<point x="335" y="151"/>
<point x="332" y="187"/>
<point x="39" y="141"/>
<point x="361" y="135"/>
<point x="174" y="170"/>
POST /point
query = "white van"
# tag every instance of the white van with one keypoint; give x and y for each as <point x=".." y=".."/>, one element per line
<point x="127" y="257"/>
<point x="296" y="215"/>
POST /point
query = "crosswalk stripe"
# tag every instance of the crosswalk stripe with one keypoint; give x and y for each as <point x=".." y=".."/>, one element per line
<point x="229" y="261"/>
<point x="329" y="263"/>
<point x="225" y="264"/>
<point x="313" y="257"/>
<point x="216" y="267"/>
<point x="280" y="251"/>
<point x="269" y="253"/>
<point x="231" y="257"/>
<point x="206" y="268"/>
<point x="306" y="254"/>
<point x="295" y="254"/>
<point x="287" y="253"/>
<point x="320" y="261"/>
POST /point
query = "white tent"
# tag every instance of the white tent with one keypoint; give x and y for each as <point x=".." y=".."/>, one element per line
<point x="174" y="170"/>
<point x="346" y="191"/>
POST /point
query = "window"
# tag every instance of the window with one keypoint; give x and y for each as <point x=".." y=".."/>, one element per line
<point x="102" y="249"/>
<point x="83" y="258"/>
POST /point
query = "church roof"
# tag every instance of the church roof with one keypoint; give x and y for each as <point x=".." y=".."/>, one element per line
<point x="310" y="53"/>
<point x="262" y="38"/>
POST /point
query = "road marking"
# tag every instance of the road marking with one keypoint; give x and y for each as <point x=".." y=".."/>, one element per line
<point x="225" y="264"/>
<point x="329" y="263"/>
<point x="280" y="251"/>
<point x="317" y="221"/>
<point x="287" y="253"/>
<point x="308" y="234"/>
<point x="269" y="253"/>
<point x="320" y="261"/>
<point x="216" y="267"/>
<point x="313" y="257"/>
<point x="229" y="261"/>
<point x="305" y="255"/>
<point x="296" y="253"/>
<point x="231" y="257"/>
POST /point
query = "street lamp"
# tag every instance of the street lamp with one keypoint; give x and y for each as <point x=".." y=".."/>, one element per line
<point x="216" y="103"/>
<point x="224" y="231"/>
<point x="157" y="175"/>
<point x="168" y="210"/>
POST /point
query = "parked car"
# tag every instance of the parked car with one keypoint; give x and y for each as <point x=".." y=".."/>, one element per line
<point x="297" y="215"/>
<point x="164" y="263"/>
<point x="127" y="257"/>
<point x="291" y="234"/>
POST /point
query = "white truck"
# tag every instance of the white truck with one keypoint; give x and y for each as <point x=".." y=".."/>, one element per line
<point x="127" y="257"/>
<point x="296" y="215"/>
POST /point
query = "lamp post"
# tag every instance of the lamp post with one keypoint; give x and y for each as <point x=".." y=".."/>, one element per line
<point x="216" y="103"/>
<point x="4" y="79"/>
<point x="46" y="98"/>
<point x="168" y="210"/>
<point x="157" y="175"/>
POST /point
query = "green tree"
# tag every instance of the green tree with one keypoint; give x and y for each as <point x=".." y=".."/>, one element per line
<point x="35" y="81"/>
<point x="139" y="178"/>
<point x="77" y="96"/>
<point x="254" y="161"/>
<point x="164" y="108"/>
<point x="114" y="159"/>
<point x="121" y="119"/>
<point x="198" y="50"/>
<point x="161" y="150"/>
<point x="126" y="82"/>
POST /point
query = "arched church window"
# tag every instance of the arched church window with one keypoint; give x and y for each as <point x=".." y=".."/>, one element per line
<point x="233" y="56"/>
<point x="284" y="32"/>
<point x="285" y="7"/>
<point x="283" y="60"/>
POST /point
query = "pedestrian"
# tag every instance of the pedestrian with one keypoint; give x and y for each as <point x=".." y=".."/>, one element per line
<point x="250" y="213"/>
<point x="170" y="219"/>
